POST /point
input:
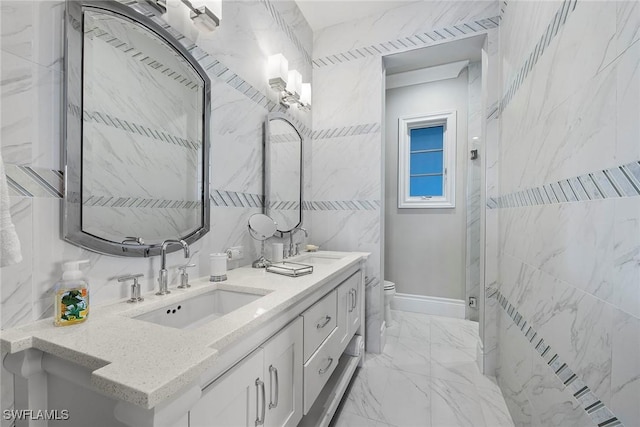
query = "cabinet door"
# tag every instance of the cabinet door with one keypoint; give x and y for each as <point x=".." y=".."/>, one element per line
<point x="283" y="376"/>
<point x="349" y="309"/>
<point x="345" y="302"/>
<point x="235" y="399"/>
<point x="355" y="307"/>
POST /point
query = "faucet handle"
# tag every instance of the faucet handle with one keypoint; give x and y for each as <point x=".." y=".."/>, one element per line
<point x="135" y="286"/>
<point x="184" y="277"/>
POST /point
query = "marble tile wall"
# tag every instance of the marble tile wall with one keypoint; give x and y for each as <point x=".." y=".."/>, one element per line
<point x="567" y="204"/>
<point x="31" y="78"/>
<point x="473" y="184"/>
<point x="489" y="218"/>
<point x="347" y="122"/>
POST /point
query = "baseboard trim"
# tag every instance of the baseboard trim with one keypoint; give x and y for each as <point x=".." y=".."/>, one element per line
<point x="429" y="305"/>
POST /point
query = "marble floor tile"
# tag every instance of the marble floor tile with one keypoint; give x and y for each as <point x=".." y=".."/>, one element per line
<point x="494" y="408"/>
<point x="426" y="376"/>
<point x="407" y="399"/>
<point x="367" y="392"/>
<point x="455" y="404"/>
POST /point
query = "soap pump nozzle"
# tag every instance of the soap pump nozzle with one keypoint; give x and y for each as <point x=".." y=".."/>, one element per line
<point x="71" y="269"/>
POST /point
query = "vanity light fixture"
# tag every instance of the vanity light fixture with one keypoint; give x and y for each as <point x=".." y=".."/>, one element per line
<point x="205" y="14"/>
<point x="278" y="72"/>
<point x="305" y="97"/>
<point x="288" y="83"/>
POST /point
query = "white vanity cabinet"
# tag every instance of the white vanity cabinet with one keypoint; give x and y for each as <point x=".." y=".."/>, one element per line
<point x="265" y="388"/>
<point x="283" y="377"/>
<point x="278" y="363"/>
<point x="349" y="308"/>
<point x="233" y="399"/>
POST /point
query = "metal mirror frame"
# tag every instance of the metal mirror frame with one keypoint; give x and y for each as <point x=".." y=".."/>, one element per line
<point x="72" y="129"/>
<point x="267" y="166"/>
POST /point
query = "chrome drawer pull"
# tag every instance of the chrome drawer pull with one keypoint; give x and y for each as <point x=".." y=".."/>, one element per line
<point x="327" y="319"/>
<point x="273" y="404"/>
<point x="326" y="368"/>
<point x="352" y="300"/>
<point x="260" y="387"/>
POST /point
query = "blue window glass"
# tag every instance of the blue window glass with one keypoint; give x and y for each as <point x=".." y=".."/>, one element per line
<point x="426" y="163"/>
<point x="425" y="186"/>
<point x="422" y="163"/>
<point x="427" y="138"/>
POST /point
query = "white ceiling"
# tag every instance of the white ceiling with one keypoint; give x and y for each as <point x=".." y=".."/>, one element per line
<point x="325" y="13"/>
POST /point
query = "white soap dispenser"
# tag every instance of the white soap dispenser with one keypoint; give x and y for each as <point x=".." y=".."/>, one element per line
<point x="71" y="295"/>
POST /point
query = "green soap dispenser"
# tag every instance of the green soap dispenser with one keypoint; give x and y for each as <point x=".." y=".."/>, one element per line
<point x="71" y="295"/>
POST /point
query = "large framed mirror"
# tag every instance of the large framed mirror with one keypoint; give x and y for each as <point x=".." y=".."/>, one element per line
<point x="137" y="108"/>
<point x="283" y="172"/>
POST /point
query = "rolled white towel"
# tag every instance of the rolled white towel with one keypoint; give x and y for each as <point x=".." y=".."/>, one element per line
<point x="9" y="243"/>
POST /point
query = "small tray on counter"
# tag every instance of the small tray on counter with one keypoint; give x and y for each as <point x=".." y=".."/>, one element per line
<point x="291" y="269"/>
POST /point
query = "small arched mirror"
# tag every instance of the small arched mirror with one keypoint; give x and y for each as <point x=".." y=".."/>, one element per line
<point x="283" y="169"/>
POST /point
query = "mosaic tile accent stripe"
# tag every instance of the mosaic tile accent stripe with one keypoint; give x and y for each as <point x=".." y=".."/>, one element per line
<point x="342" y="205"/>
<point x="127" y="126"/>
<point x="346" y="131"/>
<point x="416" y="40"/>
<point x="588" y="401"/>
<point x="139" y="202"/>
<point x="559" y="19"/>
<point x="620" y="181"/>
<point x="493" y="111"/>
<point x="285" y="205"/>
<point x="218" y="70"/>
<point x="370" y="282"/>
<point x="286" y="29"/>
<point x="27" y="181"/>
<point x="143" y="57"/>
<point x="288" y="137"/>
<point x="233" y="199"/>
<point x="503" y="7"/>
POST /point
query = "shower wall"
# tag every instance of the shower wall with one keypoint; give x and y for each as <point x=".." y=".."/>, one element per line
<point x="568" y="209"/>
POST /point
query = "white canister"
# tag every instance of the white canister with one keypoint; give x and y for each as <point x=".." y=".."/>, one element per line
<point x="218" y="263"/>
<point x="277" y="251"/>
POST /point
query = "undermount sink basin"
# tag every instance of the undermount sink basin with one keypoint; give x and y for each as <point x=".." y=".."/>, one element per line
<point x="316" y="259"/>
<point x="199" y="309"/>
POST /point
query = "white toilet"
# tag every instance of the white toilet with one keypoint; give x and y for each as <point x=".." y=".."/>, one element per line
<point x="389" y="292"/>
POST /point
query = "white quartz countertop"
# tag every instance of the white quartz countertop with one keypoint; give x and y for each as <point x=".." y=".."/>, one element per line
<point x="144" y="363"/>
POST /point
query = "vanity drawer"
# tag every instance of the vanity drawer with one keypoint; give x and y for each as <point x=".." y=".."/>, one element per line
<point x="319" y="368"/>
<point x="319" y="321"/>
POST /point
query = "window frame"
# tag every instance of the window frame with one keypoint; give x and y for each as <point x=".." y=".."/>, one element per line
<point x="449" y="142"/>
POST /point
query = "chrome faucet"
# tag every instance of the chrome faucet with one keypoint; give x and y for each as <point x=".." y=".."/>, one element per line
<point x="291" y="233"/>
<point x="163" y="280"/>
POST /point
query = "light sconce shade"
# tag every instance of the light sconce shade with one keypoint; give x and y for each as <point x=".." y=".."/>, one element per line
<point x="205" y="15"/>
<point x="288" y="83"/>
<point x="278" y="71"/>
<point x="294" y="85"/>
<point x="305" y="95"/>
